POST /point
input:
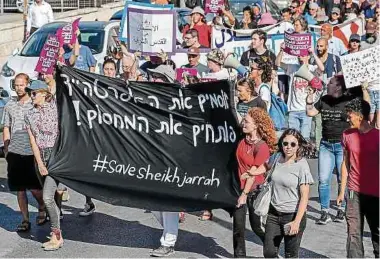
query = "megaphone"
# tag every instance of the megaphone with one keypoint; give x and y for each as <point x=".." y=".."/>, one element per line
<point x="231" y="62"/>
<point x="314" y="81"/>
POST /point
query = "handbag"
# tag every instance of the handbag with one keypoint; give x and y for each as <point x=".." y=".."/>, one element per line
<point x="263" y="199"/>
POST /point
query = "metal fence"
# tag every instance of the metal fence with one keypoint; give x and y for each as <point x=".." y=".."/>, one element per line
<point x="57" y="5"/>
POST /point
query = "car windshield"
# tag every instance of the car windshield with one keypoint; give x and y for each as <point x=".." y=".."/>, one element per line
<point x="94" y="39"/>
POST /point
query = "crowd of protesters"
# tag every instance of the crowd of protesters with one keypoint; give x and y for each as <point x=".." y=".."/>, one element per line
<point x="344" y="133"/>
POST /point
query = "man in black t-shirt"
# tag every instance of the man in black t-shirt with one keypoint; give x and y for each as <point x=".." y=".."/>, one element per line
<point x="334" y="122"/>
<point x="258" y="49"/>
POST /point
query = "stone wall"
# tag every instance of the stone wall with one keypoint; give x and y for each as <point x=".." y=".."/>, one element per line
<point x="12" y="33"/>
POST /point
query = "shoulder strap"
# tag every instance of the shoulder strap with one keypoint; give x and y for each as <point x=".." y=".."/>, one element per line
<point x="278" y="155"/>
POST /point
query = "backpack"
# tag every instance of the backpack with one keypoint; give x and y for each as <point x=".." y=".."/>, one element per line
<point x="277" y="111"/>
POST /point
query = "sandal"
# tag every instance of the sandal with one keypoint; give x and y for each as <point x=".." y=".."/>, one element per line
<point x="42" y="217"/>
<point x="24" y="226"/>
<point x="207" y="215"/>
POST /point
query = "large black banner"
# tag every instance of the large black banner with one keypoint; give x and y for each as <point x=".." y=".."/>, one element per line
<point x="146" y="145"/>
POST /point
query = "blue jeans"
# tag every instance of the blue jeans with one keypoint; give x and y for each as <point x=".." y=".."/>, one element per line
<point x="300" y="121"/>
<point x="374" y="96"/>
<point x="330" y="157"/>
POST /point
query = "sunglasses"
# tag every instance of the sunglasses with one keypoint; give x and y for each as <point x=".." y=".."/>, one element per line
<point x="34" y="93"/>
<point x="292" y="144"/>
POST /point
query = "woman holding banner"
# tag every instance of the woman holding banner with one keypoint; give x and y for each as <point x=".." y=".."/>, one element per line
<point x="252" y="152"/>
<point x="42" y="125"/>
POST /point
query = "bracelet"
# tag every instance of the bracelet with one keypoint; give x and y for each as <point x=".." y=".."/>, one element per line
<point x="309" y="103"/>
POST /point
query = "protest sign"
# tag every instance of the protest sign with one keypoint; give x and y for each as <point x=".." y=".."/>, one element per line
<point x="297" y="44"/>
<point x="213" y="6"/>
<point x="48" y="56"/>
<point x="361" y="66"/>
<point x="183" y="71"/>
<point x="151" y="31"/>
<point x="67" y="34"/>
<point x="123" y="35"/>
<point x="148" y="145"/>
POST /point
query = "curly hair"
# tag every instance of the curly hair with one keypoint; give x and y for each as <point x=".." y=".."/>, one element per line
<point x="265" y="64"/>
<point x="247" y="82"/>
<point x="360" y="106"/>
<point x="265" y="127"/>
<point x="304" y="147"/>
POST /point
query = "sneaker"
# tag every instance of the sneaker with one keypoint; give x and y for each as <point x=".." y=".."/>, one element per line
<point x="88" y="210"/>
<point x="324" y="219"/>
<point x="339" y="216"/>
<point x="162" y="251"/>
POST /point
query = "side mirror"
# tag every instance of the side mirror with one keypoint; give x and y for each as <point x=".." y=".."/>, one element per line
<point x="15" y="51"/>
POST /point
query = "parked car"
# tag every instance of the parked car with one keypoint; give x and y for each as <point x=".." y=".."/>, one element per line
<point x="98" y="36"/>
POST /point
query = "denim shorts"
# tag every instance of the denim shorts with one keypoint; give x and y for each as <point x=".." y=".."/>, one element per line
<point x="374" y="96"/>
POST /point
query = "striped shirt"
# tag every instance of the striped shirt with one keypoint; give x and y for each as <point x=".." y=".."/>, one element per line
<point x="14" y="119"/>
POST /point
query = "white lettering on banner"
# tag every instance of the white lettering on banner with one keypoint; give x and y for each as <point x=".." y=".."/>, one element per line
<point x="169" y="176"/>
<point x="141" y="124"/>
<point x="361" y="66"/>
<point x="223" y="133"/>
<point x="215" y="100"/>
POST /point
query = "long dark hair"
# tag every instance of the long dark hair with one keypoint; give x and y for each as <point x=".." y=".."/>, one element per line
<point x="304" y="147"/>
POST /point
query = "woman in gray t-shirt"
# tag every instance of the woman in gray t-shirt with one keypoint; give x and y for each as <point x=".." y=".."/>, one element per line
<point x="291" y="180"/>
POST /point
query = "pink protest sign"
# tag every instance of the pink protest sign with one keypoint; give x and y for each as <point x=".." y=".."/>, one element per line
<point x="297" y="44"/>
<point x="67" y="34"/>
<point x="180" y="73"/>
<point x="49" y="55"/>
<point x="213" y="6"/>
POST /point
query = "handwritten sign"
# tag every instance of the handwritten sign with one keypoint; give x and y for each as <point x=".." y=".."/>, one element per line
<point x="297" y="44"/>
<point x="182" y="72"/>
<point x="151" y="31"/>
<point x="123" y="35"/>
<point x="49" y="55"/>
<point x="213" y="6"/>
<point x="67" y="34"/>
<point x="361" y="66"/>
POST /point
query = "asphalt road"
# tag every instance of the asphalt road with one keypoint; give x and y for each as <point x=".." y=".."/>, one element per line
<point x="126" y="232"/>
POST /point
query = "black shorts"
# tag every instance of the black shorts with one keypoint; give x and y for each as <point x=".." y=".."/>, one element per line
<point x="21" y="173"/>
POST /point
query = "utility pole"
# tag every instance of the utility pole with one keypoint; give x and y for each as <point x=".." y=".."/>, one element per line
<point x="25" y="18"/>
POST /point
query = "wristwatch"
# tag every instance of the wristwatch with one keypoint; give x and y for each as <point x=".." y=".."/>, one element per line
<point x="245" y="193"/>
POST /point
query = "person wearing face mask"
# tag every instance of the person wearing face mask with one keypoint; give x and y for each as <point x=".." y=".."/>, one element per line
<point x="291" y="179"/>
<point x="334" y="122"/>
<point x="198" y="22"/>
<point x="371" y="36"/>
<point x="360" y="178"/>
<point x="298" y="91"/>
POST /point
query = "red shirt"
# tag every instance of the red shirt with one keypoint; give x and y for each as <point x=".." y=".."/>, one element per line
<point x="363" y="152"/>
<point x="249" y="155"/>
<point x="204" y="34"/>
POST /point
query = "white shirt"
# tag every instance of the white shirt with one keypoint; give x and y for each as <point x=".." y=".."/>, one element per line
<point x="336" y="46"/>
<point x="265" y="94"/>
<point x="39" y="15"/>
